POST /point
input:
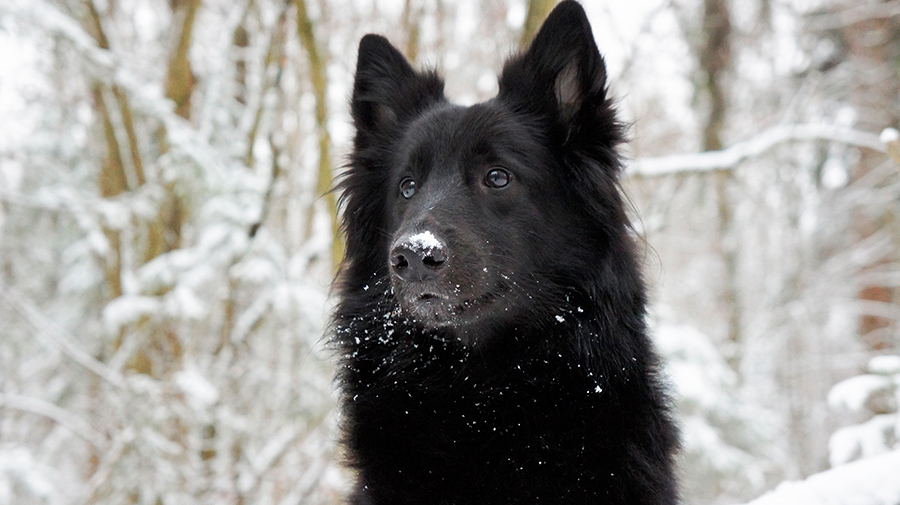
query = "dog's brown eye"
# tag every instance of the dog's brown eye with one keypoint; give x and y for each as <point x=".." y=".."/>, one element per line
<point x="497" y="178"/>
<point x="407" y="187"/>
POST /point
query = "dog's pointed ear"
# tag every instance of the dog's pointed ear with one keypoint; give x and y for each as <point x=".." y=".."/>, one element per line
<point x="562" y="76"/>
<point x="386" y="90"/>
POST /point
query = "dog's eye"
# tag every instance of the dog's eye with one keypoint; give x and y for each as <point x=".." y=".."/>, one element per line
<point x="407" y="187"/>
<point x="497" y="178"/>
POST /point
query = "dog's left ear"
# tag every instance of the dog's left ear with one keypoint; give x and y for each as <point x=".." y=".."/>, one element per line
<point x="387" y="91"/>
<point x="562" y="77"/>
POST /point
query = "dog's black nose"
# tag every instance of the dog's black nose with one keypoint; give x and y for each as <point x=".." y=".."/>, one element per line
<point x="418" y="257"/>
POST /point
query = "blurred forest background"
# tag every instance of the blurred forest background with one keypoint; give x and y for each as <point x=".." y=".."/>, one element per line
<point x="167" y="242"/>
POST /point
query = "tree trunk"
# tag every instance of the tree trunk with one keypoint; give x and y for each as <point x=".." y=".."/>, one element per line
<point x="412" y="18"/>
<point x="873" y="55"/>
<point x="179" y="77"/>
<point x="714" y="56"/>
<point x="537" y="13"/>
<point x="317" y="64"/>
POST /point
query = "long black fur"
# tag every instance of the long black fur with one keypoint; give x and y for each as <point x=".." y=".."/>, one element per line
<point x="521" y="373"/>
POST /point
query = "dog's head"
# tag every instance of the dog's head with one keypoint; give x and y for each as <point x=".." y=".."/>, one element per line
<point x="477" y="214"/>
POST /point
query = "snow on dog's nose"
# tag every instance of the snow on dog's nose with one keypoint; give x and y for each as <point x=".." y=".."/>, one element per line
<point x="418" y="257"/>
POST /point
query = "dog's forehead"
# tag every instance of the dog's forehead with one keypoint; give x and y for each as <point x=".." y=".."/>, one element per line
<point x="454" y="133"/>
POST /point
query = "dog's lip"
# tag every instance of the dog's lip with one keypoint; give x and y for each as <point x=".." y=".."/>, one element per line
<point x="432" y="298"/>
<point x="432" y="307"/>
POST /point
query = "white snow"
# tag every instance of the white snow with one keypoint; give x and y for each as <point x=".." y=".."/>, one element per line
<point x="18" y="469"/>
<point x="862" y="441"/>
<point x="424" y="241"/>
<point x="889" y="135"/>
<point x="864" y="394"/>
<point x="695" y="365"/>
<point x="873" y="481"/>
<point x="888" y="364"/>
<point x="198" y="389"/>
<point x="756" y="146"/>
<point x="183" y="302"/>
<point x="129" y="309"/>
<point x="852" y="393"/>
<point x="834" y="174"/>
<point x="250" y="312"/>
<point x="697" y="433"/>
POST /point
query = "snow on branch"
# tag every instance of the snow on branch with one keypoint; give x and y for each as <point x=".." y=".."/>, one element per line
<point x="871" y="481"/>
<point x="108" y="67"/>
<point x="61" y="416"/>
<point x="850" y="16"/>
<point x="734" y="155"/>
<point x="58" y="337"/>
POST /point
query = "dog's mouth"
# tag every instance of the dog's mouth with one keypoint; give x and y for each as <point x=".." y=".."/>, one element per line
<point x="433" y="308"/>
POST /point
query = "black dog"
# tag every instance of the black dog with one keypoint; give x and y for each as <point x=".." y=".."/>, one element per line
<point x="491" y="317"/>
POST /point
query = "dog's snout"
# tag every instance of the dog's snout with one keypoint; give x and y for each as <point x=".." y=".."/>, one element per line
<point x="418" y="257"/>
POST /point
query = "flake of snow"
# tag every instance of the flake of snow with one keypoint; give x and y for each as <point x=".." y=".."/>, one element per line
<point x="560" y="318"/>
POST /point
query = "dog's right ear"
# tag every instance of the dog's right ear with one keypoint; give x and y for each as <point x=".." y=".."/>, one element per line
<point x="561" y="79"/>
<point x="387" y="91"/>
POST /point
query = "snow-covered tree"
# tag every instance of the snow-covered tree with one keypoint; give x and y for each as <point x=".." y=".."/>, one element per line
<point x="729" y="448"/>
<point x="166" y="247"/>
<point x="876" y="396"/>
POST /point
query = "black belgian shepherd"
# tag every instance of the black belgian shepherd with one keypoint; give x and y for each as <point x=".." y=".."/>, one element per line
<point x="492" y="313"/>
